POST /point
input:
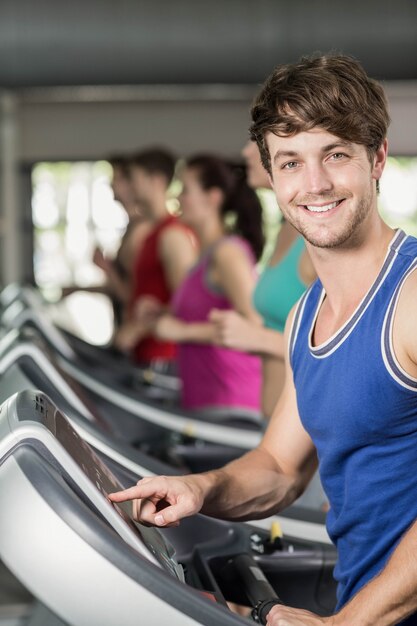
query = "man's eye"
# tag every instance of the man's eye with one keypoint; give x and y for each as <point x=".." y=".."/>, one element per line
<point x="337" y="156"/>
<point x="291" y="165"/>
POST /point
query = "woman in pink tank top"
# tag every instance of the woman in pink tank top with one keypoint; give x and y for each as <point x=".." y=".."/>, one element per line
<point x="226" y="216"/>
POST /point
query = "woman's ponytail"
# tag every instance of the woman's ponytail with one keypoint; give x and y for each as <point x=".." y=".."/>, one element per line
<point x="241" y="209"/>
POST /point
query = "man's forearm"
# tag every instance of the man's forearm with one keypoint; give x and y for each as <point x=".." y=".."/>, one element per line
<point x="392" y="595"/>
<point x="251" y="487"/>
<point x="119" y="287"/>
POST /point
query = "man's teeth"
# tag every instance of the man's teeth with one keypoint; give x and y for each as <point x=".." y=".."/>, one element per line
<point x="322" y="209"/>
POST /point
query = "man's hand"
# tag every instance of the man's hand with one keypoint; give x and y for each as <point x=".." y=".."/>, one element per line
<point x="169" y="328"/>
<point x="68" y="291"/>
<point x="129" y="334"/>
<point x="100" y="260"/>
<point x="147" y="309"/>
<point x="162" y="500"/>
<point x="281" y="615"/>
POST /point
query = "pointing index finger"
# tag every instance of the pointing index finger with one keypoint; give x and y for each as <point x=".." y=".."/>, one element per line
<point x="137" y="491"/>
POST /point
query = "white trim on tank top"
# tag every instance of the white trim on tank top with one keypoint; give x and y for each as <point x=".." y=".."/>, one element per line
<point x="346" y="329"/>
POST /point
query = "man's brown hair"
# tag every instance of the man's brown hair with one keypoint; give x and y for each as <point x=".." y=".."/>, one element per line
<point x="332" y="92"/>
<point x="155" y="161"/>
<point x="121" y="162"/>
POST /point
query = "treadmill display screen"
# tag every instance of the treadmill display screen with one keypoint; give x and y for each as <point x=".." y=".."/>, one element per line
<point x="105" y="481"/>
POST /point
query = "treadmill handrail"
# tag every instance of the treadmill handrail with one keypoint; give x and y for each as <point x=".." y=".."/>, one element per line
<point x="17" y="315"/>
<point x="67" y="593"/>
<point x="186" y="425"/>
<point x="292" y="527"/>
<point x="36" y="432"/>
<point x="127" y="457"/>
<point x="32" y="351"/>
<point x="9" y="294"/>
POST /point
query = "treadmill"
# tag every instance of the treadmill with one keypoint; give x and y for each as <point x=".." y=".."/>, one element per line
<point x="158" y="379"/>
<point x="35" y="356"/>
<point x="89" y="563"/>
<point x="25" y="366"/>
<point x="241" y="431"/>
<point x="184" y="440"/>
<point x="15" y="291"/>
<point x="157" y="382"/>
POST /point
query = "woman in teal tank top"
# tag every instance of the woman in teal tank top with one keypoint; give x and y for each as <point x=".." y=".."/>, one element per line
<point x="279" y="287"/>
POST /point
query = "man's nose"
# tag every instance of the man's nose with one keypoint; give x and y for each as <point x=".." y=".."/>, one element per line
<point x="317" y="180"/>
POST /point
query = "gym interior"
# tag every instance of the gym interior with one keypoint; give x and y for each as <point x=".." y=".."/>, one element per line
<point x="82" y="84"/>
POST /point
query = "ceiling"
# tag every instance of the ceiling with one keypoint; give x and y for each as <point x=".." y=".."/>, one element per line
<point x="189" y="42"/>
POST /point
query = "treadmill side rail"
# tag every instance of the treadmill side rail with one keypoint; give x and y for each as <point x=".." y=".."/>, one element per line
<point x="64" y="581"/>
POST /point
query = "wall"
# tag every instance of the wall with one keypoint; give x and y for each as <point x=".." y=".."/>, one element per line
<point x="187" y="123"/>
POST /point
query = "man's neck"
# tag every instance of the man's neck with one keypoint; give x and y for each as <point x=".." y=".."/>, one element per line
<point x="348" y="273"/>
<point x="157" y="211"/>
<point x="133" y="210"/>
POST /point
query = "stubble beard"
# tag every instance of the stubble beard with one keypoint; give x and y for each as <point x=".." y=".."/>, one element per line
<point x="322" y="236"/>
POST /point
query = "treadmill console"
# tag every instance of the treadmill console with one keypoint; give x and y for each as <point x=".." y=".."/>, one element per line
<point x="35" y="406"/>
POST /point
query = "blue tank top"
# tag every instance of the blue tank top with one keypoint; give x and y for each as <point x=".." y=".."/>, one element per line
<point x="360" y="409"/>
<point x="279" y="287"/>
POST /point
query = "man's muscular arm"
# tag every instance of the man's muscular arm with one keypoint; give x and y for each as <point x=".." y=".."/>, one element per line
<point x="258" y="484"/>
<point x="404" y="329"/>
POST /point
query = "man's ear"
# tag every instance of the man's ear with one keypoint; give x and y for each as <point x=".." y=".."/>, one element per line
<point x="160" y="180"/>
<point x="380" y="159"/>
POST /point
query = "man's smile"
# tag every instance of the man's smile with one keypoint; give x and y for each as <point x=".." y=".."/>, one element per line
<point x="321" y="208"/>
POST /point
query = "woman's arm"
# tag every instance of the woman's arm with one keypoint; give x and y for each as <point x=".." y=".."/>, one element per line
<point x="230" y="270"/>
<point x="233" y="272"/>
<point x="241" y="328"/>
<point x="235" y="331"/>
<point x="170" y="328"/>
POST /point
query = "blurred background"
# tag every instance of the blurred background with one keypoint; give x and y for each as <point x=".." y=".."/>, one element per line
<point x="84" y="79"/>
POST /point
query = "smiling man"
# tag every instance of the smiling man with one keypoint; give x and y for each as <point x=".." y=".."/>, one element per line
<point x="350" y="397"/>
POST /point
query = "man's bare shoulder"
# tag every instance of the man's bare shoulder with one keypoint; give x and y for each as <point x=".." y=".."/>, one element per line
<point x="405" y="336"/>
<point x="175" y="236"/>
<point x="408" y="294"/>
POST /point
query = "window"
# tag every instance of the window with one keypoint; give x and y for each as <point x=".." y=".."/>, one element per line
<point x="73" y="211"/>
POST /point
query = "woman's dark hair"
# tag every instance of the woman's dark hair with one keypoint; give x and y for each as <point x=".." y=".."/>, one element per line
<point x="240" y="202"/>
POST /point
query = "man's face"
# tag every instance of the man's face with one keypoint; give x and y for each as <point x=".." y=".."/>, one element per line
<point x="143" y="185"/>
<point x="121" y="186"/>
<point x="324" y="185"/>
